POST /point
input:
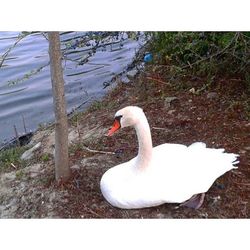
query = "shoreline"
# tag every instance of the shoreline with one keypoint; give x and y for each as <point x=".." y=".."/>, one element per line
<point x="176" y="114"/>
<point x="41" y="98"/>
<point x="25" y="138"/>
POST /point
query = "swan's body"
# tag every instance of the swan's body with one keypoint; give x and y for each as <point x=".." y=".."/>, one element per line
<point x="168" y="173"/>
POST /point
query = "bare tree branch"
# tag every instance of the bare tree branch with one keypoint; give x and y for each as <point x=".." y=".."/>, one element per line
<point x="6" y="53"/>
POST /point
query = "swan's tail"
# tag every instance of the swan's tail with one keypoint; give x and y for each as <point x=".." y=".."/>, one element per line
<point x="219" y="155"/>
<point x="232" y="158"/>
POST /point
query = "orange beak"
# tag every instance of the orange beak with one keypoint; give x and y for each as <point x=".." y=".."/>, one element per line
<point x="115" y="127"/>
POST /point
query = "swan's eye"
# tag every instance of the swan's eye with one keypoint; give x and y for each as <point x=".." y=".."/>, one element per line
<point x="118" y="118"/>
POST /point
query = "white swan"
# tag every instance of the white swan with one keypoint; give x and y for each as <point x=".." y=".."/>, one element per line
<point x="168" y="173"/>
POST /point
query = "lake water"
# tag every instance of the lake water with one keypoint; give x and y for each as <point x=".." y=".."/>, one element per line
<point x="25" y="84"/>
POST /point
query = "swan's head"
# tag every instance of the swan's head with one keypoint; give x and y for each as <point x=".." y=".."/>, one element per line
<point x="128" y="116"/>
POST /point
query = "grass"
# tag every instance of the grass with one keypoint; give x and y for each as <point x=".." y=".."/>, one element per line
<point x="19" y="174"/>
<point x="96" y="105"/>
<point x="75" y="147"/>
<point x="75" y="119"/>
<point x="203" y="55"/>
<point x="45" y="157"/>
<point x="11" y="156"/>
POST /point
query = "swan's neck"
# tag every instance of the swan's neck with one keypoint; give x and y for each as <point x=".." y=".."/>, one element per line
<point x="145" y="143"/>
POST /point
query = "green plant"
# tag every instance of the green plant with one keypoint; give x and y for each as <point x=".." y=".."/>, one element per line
<point x="11" y="156"/>
<point x="74" y="120"/>
<point x="19" y="174"/>
<point x="96" y="105"/>
<point x="204" y="53"/>
<point x="45" y="157"/>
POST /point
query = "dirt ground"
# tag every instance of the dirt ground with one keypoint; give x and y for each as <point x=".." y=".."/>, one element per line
<point x="217" y="115"/>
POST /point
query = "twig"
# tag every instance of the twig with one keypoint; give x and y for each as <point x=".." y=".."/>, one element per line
<point x="157" y="80"/>
<point x="24" y="125"/>
<point x="157" y="128"/>
<point x="78" y="128"/>
<point x="94" y="48"/>
<point x="238" y="173"/>
<point x="98" y="151"/>
<point x="16" y="134"/>
<point x="28" y="75"/>
<point x="19" y="38"/>
<point x="13" y="165"/>
<point x="44" y="35"/>
<point x="244" y="184"/>
<point x="76" y="108"/>
<point x="92" y="211"/>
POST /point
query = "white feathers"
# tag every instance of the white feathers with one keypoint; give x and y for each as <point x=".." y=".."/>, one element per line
<point x="166" y="173"/>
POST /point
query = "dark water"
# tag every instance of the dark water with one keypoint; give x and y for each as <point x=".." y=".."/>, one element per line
<point x="25" y="85"/>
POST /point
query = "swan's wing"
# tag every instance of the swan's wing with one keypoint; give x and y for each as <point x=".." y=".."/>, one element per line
<point x="185" y="171"/>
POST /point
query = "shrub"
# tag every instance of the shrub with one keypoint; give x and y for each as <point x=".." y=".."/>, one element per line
<point x="205" y="53"/>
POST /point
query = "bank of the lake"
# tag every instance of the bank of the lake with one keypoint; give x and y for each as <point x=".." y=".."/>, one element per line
<point x="177" y="113"/>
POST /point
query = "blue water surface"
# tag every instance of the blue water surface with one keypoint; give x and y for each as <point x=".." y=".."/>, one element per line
<point x="25" y="84"/>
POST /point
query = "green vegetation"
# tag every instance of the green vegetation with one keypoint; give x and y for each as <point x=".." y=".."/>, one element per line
<point x="75" y="147"/>
<point x="11" y="156"/>
<point x="96" y="105"/>
<point x="204" y="53"/>
<point x="75" y="119"/>
<point x="45" y="157"/>
<point x="207" y="57"/>
<point x="19" y="174"/>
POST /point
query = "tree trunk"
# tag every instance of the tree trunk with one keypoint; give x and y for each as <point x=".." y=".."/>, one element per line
<point x="62" y="170"/>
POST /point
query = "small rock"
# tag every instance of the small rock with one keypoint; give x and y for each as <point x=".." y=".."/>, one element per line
<point x="204" y="215"/>
<point x="169" y="100"/>
<point x="52" y="197"/>
<point x="212" y="95"/>
<point x="242" y="152"/>
<point x="125" y="79"/>
<point x="75" y="167"/>
<point x="217" y="198"/>
<point x="29" y="153"/>
<point x="35" y="170"/>
<point x="73" y="135"/>
<point x="192" y="90"/>
<point x="170" y="112"/>
<point x="132" y="73"/>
